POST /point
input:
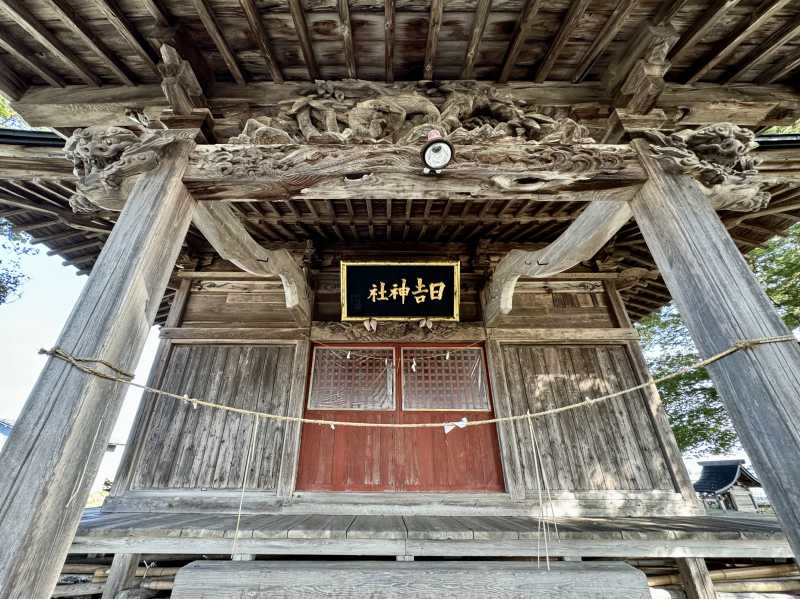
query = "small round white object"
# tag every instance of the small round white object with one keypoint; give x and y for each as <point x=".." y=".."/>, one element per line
<point x="437" y="154"/>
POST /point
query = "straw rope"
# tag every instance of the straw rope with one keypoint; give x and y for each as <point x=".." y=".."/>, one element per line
<point x="120" y="376"/>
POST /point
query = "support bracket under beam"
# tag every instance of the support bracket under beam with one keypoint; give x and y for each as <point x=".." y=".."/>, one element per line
<point x="593" y="228"/>
<point x="223" y="230"/>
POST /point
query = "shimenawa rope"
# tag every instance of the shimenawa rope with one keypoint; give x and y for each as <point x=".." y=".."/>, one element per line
<point x="125" y="378"/>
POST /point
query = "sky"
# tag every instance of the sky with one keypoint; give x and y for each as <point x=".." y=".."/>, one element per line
<point x="34" y="321"/>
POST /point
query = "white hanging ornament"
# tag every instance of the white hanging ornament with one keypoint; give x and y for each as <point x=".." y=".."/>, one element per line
<point x="373" y="323"/>
<point x="348" y="354"/>
<point x="413" y="365"/>
<point x="447" y="356"/>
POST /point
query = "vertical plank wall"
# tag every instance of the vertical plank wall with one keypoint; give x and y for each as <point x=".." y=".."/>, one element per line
<point x="206" y="448"/>
<point x="612" y="445"/>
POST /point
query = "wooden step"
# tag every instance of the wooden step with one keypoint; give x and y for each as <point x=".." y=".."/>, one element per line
<point x="420" y="579"/>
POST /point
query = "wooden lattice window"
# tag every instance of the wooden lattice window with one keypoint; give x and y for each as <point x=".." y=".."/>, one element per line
<point x="447" y="379"/>
<point x="352" y="379"/>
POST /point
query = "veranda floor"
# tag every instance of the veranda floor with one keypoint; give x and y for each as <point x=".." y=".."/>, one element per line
<point x="446" y="536"/>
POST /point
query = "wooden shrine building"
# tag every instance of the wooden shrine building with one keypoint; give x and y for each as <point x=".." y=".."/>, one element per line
<point x="413" y="216"/>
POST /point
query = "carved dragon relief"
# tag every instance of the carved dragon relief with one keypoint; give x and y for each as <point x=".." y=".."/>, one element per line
<point x="471" y="112"/>
<point x="718" y="157"/>
<point x="106" y="161"/>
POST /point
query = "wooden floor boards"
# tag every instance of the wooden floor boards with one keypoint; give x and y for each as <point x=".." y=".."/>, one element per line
<point x="331" y="534"/>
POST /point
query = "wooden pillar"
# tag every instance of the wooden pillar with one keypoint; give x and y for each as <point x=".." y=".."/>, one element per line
<point x="122" y="574"/>
<point x="721" y="302"/>
<point x="696" y="581"/>
<point x="53" y="455"/>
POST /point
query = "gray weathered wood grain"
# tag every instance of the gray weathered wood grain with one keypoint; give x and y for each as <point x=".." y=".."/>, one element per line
<point x="55" y="450"/>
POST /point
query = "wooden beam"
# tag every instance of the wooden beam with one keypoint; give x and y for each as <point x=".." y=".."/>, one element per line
<point x="434" y="25"/>
<point x="524" y="170"/>
<point x="478" y="26"/>
<point x="95" y="44"/>
<point x="23" y="162"/>
<point x="301" y="28"/>
<point x="700" y="28"/>
<point x="696" y="581"/>
<point x="211" y="25"/>
<point x="389" y="27"/>
<point x="158" y="12"/>
<point x="518" y="38"/>
<point x="121" y="575"/>
<point x="604" y="38"/>
<point x="723" y="50"/>
<point x="346" y="31"/>
<point x="258" y="31"/>
<point x="16" y="49"/>
<point x="55" y="449"/>
<point x="11" y="86"/>
<point x="23" y="17"/>
<point x="667" y="11"/>
<point x="128" y="32"/>
<point x="225" y="232"/>
<point x="593" y="228"/>
<point x="179" y="81"/>
<point x="780" y="69"/>
<point x="568" y="25"/>
<point x="764" y="51"/>
<point x="722" y="303"/>
<point x="685" y="105"/>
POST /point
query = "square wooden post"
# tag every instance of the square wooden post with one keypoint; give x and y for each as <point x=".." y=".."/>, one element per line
<point x="53" y="455"/>
<point x="721" y="303"/>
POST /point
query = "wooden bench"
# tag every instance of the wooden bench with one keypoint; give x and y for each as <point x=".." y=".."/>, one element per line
<point x="421" y="579"/>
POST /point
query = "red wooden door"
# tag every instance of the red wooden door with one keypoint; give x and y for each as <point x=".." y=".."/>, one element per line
<point x="391" y="459"/>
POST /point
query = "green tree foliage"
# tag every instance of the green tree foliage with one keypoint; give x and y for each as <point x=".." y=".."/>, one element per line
<point x="777" y="266"/>
<point x="697" y="415"/>
<point x="12" y="247"/>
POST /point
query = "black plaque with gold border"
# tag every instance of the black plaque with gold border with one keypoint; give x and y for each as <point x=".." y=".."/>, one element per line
<point x="400" y="290"/>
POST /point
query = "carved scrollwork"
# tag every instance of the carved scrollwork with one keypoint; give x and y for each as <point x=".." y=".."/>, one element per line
<point x="395" y="331"/>
<point x="107" y="159"/>
<point x="718" y="156"/>
<point x="354" y="112"/>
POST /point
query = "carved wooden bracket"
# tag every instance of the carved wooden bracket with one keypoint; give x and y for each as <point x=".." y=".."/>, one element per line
<point x="225" y="232"/>
<point x="718" y="156"/>
<point x="107" y="160"/>
<point x="581" y="241"/>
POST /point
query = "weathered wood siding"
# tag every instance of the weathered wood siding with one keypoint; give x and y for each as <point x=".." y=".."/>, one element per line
<point x="205" y="448"/>
<point x="612" y="445"/>
<point x="237" y="304"/>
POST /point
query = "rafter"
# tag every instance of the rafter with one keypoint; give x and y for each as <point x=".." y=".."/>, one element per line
<point x="667" y="11"/>
<point x="434" y="25"/>
<point x="346" y="30"/>
<point x="700" y="28"/>
<point x="258" y="31"/>
<point x="521" y="31"/>
<point x="211" y="25"/>
<point x="568" y="25"/>
<point x="158" y="12"/>
<point x="780" y="69"/>
<point x="128" y="32"/>
<point x="389" y="26"/>
<point x="604" y="38"/>
<point x="764" y="50"/>
<point x="223" y="230"/>
<point x="82" y="32"/>
<point x="23" y="17"/>
<point x="301" y="28"/>
<point x="10" y="84"/>
<point x="723" y="50"/>
<point x="478" y="26"/>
